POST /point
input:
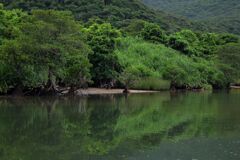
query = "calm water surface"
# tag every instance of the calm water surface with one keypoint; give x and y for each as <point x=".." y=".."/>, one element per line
<point x="160" y="126"/>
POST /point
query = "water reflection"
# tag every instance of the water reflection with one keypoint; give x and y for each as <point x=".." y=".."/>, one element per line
<point x="139" y="126"/>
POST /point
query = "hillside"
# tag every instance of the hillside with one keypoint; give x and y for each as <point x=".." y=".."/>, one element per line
<point x="118" y="12"/>
<point x="47" y="50"/>
<point x="222" y="15"/>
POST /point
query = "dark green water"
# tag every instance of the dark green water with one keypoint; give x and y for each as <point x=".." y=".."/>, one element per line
<point x="162" y="126"/>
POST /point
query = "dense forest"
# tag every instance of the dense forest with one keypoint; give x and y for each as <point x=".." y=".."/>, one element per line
<point x="118" y="12"/>
<point x="47" y="47"/>
<point x="221" y="15"/>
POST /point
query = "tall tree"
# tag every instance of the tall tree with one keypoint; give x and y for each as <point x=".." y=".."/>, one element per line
<point x="102" y="39"/>
<point x="43" y="54"/>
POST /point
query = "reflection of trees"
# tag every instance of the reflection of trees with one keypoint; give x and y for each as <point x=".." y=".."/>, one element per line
<point x="102" y="120"/>
<point x="51" y="125"/>
<point x="82" y="106"/>
<point x="68" y="127"/>
<point x="182" y="117"/>
<point x="28" y="125"/>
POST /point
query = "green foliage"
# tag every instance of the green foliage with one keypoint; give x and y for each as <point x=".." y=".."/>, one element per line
<point x="228" y="38"/>
<point x="44" y="50"/>
<point x="152" y="32"/>
<point x="150" y="83"/>
<point x="14" y="66"/>
<point x="229" y="57"/>
<point x="101" y="38"/>
<point x="199" y="44"/>
<point x="49" y="49"/>
<point x="142" y="56"/>
<point x="3" y="78"/>
<point x="176" y="75"/>
<point x="160" y="62"/>
<point x="129" y="76"/>
<point x="19" y="69"/>
<point x="135" y="27"/>
<point x="185" y="41"/>
<point x="220" y="15"/>
<point x="119" y="12"/>
<point x="9" y="23"/>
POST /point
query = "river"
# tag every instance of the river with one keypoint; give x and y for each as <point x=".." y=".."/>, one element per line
<point x="154" y="126"/>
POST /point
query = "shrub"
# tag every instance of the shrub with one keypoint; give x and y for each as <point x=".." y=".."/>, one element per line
<point x="150" y="83"/>
<point x="229" y="58"/>
<point x="152" y="32"/>
<point x="157" y="62"/>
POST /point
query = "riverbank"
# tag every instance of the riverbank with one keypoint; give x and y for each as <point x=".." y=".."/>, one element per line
<point x="235" y="87"/>
<point x="99" y="91"/>
<point x="104" y="91"/>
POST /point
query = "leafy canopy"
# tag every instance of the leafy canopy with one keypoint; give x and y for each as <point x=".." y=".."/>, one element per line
<point x="48" y="48"/>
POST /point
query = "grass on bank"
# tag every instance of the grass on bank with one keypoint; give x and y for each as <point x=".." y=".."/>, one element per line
<point x="151" y="84"/>
<point x="152" y="61"/>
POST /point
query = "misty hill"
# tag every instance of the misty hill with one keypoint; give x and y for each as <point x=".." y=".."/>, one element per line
<point x="118" y="12"/>
<point x="223" y="15"/>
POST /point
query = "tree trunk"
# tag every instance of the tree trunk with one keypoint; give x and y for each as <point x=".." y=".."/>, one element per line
<point x="71" y="91"/>
<point x="126" y="90"/>
<point x="51" y="87"/>
<point x="18" y="91"/>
